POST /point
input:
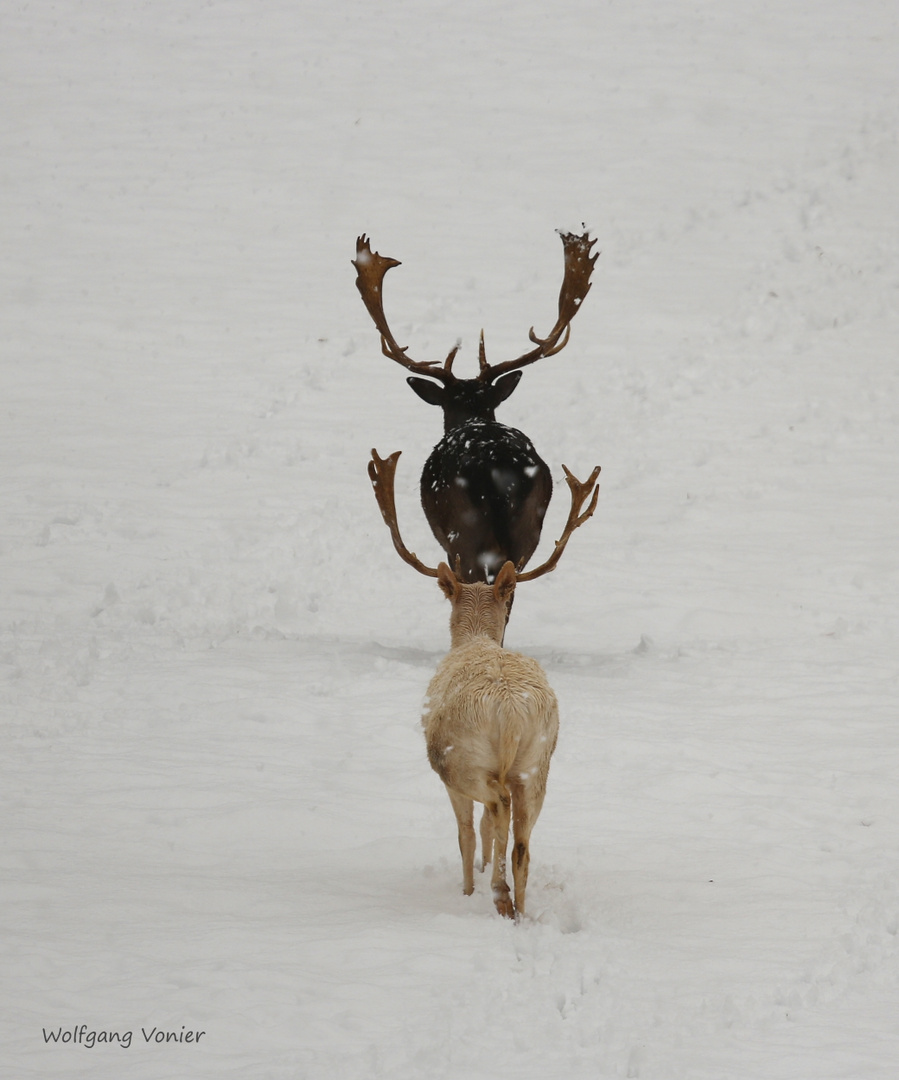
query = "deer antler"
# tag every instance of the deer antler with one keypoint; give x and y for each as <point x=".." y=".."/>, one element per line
<point x="381" y="473"/>
<point x="579" y="265"/>
<point x="371" y="268"/>
<point x="579" y="493"/>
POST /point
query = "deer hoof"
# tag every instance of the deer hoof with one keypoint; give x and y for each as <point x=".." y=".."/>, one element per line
<point x="503" y="902"/>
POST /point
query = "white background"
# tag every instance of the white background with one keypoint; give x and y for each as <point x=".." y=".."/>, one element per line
<point x="217" y="810"/>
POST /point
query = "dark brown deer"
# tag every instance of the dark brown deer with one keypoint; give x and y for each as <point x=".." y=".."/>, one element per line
<point x="491" y="718"/>
<point x="484" y="489"/>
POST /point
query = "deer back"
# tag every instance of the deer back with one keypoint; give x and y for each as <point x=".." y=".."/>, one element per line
<point x="485" y="492"/>
<point x="489" y="710"/>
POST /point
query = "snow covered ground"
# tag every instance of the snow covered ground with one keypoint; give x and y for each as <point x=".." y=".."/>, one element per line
<point x="217" y="812"/>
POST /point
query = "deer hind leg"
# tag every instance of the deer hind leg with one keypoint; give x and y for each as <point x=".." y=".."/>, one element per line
<point x="527" y="802"/>
<point x="464" y="810"/>
<point x="486" y="839"/>
<point x="499" y="811"/>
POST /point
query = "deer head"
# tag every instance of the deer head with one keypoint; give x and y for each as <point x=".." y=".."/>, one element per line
<point x="478" y="609"/>
<point x="466" y="399"/>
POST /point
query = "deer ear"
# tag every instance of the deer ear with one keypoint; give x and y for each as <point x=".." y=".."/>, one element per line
<point x="504" y="386"/>
<point x="504" y="585"/>
<point x="446" y="579"/>
<point x="428" y="391"/>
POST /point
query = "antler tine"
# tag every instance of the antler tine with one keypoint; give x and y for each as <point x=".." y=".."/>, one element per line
<point x="579" y="265"/>
<point x="381" y="472"/>
<point x="370" y="269"/>
<point x="579" y="493"/>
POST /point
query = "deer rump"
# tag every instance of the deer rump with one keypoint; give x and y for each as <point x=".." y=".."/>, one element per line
<point x="508" y="713"/>
<point x="485" y="491"/>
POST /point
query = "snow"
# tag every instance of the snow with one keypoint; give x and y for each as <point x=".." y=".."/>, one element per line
<point x="218" y="813"/>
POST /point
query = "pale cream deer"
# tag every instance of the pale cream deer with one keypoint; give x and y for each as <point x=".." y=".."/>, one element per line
<point x="491" y="724"/>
